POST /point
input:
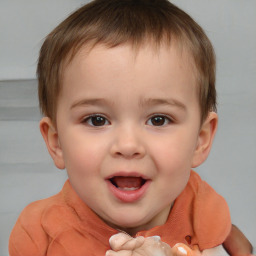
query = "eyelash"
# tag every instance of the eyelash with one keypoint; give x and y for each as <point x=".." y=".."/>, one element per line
<point x="89" y="120"/>
<point x="104" y="121"/>
<point x="167" y="120"/>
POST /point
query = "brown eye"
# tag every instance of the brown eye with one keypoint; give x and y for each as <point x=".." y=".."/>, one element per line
<point x="96" y="120"/>
<point x="159" y="120"/>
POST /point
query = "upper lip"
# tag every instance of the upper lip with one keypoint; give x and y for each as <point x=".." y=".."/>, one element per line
<point x="127" y="174"/>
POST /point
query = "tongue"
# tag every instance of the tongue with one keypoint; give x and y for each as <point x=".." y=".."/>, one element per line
<point x="128" y="182"/>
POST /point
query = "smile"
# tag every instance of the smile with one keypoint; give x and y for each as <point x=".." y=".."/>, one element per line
<point x="128" y="189"/>
<point x="128" y="183"/>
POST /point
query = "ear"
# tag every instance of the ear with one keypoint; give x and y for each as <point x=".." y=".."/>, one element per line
<point x="51" y="138"/>
<point x="205" y="139"/>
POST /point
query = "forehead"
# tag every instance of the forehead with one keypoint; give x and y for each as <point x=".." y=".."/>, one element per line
<point x="96" y="56"/>
<point x="145" y="72"/>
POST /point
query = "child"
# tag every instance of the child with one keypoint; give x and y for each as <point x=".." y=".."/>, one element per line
<point x="127" y="88"/>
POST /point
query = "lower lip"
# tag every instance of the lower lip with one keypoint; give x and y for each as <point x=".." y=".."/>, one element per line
<point x="130" y="195"/>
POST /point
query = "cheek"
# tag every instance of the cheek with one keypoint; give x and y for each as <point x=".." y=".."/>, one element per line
<point x="175" y="151"/>
<point x="83" y="155"/>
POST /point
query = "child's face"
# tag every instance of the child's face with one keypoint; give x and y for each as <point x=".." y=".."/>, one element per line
<point x="128" y="128"/>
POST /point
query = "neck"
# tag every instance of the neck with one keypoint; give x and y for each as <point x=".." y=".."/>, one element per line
<point x="158" y="220"/>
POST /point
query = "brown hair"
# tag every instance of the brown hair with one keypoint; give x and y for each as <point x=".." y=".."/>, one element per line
<point x="115" y="22"/>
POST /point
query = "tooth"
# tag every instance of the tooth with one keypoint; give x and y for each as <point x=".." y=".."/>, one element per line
<point x="128" y="189"/>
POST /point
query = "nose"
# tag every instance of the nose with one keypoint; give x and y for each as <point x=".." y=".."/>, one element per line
<point x="128" y="143"/>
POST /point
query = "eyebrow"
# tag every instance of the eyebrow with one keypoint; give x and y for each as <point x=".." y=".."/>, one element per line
<point x="142" y="103"/>
<point x="88" y="102"/>
<point x="168" y="102"/>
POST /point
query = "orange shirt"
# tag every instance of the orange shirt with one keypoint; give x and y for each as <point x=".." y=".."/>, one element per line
<point x="63" y="225"/>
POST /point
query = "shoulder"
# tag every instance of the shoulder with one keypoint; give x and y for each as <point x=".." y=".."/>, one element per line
<point x="28" y="236"/>
<point x="211" y="216"/>
<point x="204" y="194"/>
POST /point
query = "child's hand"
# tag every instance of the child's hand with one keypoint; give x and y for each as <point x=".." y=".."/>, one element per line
<point x="124" y="245"/>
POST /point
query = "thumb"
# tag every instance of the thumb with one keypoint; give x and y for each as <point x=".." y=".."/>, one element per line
<point x="123" y="241"/>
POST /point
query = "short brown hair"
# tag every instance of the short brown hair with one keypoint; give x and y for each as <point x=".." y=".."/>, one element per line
<point x="115" y="22"/>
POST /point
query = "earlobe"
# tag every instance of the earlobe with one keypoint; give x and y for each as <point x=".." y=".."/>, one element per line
<point x="51" y="139"/>
<point x="205" y="139"/>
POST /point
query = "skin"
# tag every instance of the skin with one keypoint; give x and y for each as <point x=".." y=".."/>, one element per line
<point x="237" y="244"/>
<point x="129" y="91"/>
<point x="124" y="245"/>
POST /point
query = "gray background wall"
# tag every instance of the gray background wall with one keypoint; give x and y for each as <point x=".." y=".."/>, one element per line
<point x="27" y="172"/>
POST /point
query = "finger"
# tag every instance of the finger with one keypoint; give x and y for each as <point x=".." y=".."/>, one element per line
<point x="119" y="253"/>
<point x="153" y="240"/>
<point x="123" y="241"/>
<point x="154" y="246"/>
<point x="159" y="251"/>
<point x="118" y="240"/>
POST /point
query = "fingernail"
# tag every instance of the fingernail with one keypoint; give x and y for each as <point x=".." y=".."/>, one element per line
<point x="182" y="250"/>
<point x="111" y="239"/>
<point x="108" y="253"/>
<point x="156" y="238"/>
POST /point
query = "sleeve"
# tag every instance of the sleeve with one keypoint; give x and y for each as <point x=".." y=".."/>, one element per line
<point x="28" y="237"/>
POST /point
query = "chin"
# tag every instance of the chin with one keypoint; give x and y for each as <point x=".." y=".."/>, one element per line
<point x="130" y="223"/>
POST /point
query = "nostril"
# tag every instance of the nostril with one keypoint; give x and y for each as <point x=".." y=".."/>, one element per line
<point x="127" y="148"/>
<point x="129" y="155"/>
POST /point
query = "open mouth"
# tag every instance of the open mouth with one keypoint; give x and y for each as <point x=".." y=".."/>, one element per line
<point x="128" y="183"/>
<point x="128" y="189"/>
